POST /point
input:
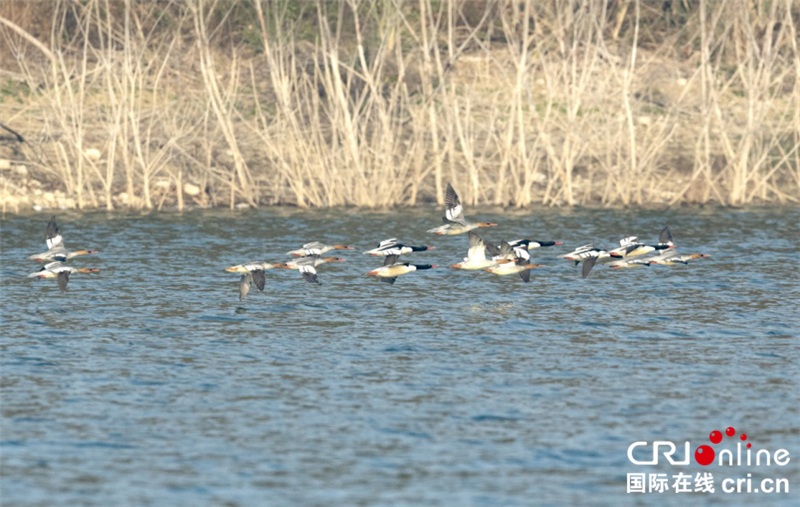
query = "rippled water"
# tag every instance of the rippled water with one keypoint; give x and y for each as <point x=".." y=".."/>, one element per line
<point x="151" y="384"/>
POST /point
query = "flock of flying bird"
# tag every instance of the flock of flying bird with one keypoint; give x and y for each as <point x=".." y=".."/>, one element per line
<point x="505" y="258"/>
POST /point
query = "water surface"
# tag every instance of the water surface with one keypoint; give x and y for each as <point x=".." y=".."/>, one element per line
<point x="151" y="384"/>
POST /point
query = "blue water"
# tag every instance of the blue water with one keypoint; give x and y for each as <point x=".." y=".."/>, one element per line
<point x="150" y="383"/>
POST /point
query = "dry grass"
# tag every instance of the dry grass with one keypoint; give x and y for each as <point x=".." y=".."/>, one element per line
<point x="381" y="103"/>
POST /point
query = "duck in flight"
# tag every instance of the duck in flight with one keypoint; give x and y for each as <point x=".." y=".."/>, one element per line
<point x="392" y="268"/>
<point x="308" y="266"/>
<point x="635" y="263"/>
<point x="55" y="244"/>
<point x="531" y="244"/>
<point x="252" y="273"/>
<point x="509" y="260"/>
<point x="317" y="248"/>
<point x="60" y="271"/>
<point x="678" y="259"/>
<point x="588" y="255"/>
<point x="393" y="247"/>
<point x="476" y="255"/>
<point x="631" y="247"/>
<point x="629" y="263"/>
<point x="454" y="221"/>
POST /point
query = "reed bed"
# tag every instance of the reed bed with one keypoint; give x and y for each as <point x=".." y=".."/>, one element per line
<point x="377" y="104"/>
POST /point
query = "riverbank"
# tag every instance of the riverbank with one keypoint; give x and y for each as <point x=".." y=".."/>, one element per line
<point x="21" y="191"/>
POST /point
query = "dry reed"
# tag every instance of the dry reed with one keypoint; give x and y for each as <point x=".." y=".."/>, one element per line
<point x="380" y="104"/>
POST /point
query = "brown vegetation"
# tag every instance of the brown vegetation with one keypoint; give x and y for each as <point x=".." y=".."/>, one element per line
<point x="365" y="103"/>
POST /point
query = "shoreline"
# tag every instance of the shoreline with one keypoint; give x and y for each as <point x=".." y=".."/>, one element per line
<point x="22" y="194"/>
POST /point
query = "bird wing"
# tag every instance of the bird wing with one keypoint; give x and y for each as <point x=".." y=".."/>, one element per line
<point x="389" y="280"/>
<point x="630" y="248"/>
<point x="308" y="260"/>
<point x="665" y="236"/>
<point x="522" y="255"/>
<point x="477" y="247"/>
<point x="53" y="237"/>
<point x="525" y="275"/>
<point x="387" y="242"/>
<point x="313" y="248"/>
<point x="259" y="278"/>
<point x="309" y="274"/>
<point x="580" y="249"/>
<point x="668" y="254"/>
<point x="59" y="253"/>
<point x="630" y="240"/>
<point x="63" y="278"/>
<point x="244" y="285"/>
<point x="454" y="211"/>
<point x="51" y="265"/>
<point x="390" y="259"/>
<point x="506" y="250"/>
<point x="588" y="264"/>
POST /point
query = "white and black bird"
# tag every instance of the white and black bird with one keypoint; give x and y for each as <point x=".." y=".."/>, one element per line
<point x="393" y="247"/>
<point x="532" y="244"/>
<point x="678" y="259"/>
<point x="253" y="272"/>
<point x="476" y="255"/>
<point x="55" y="245"/>
<point x="392" y="268"/>
<point x="317" y="248"/>
<point x="510" y="260"/>
<point x="60" y="271"/>
<point x="588" y="255"/>
<point x="454" y="221"/>
<point x="631" y="247"/>
<point x="307" y="266"/>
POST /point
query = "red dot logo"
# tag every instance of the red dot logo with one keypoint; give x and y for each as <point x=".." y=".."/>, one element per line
<point x="704" y="455"/>
<point x="743" y="437"/>
<point x="730" y="431"/>
<point x="715" y="437"/>
<point x="748" y="445"/>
